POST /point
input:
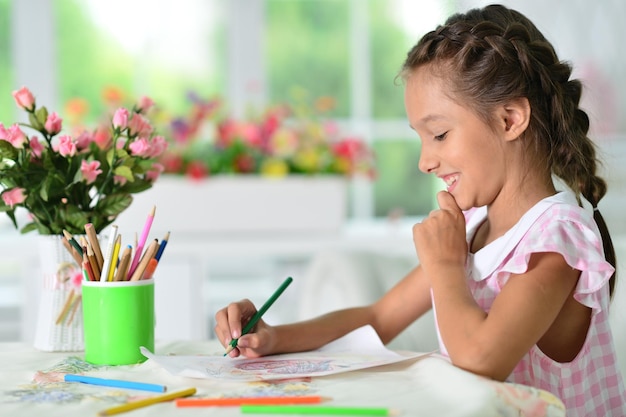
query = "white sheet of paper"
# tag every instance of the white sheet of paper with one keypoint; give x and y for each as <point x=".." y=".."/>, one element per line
<point x="359" y="349"/>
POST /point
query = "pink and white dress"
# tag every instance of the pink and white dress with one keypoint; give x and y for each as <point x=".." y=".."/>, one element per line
<point x="590" y="385"/>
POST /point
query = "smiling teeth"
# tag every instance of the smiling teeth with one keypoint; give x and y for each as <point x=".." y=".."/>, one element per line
<point x="451" y="180"/>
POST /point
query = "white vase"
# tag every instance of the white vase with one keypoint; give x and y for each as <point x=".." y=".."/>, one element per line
<point x="60" y="318"/>
<point x="241" y="204"/>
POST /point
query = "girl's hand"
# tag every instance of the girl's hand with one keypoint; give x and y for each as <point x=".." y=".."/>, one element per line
<point x="440" y="238"/>
<point x="229" y="322"/>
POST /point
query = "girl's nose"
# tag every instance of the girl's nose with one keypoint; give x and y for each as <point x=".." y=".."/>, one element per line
<point x="427" y="163"/>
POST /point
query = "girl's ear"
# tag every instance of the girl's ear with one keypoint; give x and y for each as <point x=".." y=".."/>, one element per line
<point x="514" y="117"/>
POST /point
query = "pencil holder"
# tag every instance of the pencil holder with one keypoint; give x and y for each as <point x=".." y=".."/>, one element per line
<point x="59" y="316"/>
<point x="118" y="319"/>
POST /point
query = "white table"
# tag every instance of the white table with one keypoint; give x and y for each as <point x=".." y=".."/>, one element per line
<point x="428" y="386"/>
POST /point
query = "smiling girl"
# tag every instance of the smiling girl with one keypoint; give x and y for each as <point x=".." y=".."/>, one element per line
<point x="519" y="274"/>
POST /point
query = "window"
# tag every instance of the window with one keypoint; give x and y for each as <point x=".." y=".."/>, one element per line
<point x="7" y="105"/>
<point x="161" y="48"/>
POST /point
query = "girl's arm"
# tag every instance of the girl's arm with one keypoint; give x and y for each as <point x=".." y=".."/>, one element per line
<point x="389" y="316"/>
<point x="492" y="343"/>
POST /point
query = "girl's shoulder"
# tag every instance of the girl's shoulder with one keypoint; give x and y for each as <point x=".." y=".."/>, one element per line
<point x="556" y="224"/>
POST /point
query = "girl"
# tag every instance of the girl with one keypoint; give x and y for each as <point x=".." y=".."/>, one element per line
<point x="518" y="274"/>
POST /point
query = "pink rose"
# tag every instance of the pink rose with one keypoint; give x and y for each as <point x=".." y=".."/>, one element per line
<point x="139" y="126"/>
<point x="145" y="103"/>
<point x="13" y="196"/>
<point x="13" y="135"/>
<point x="102" y="137"/>
<point x="66" y="146"/>
<point x="24" y="99"/>
<point x="36" y="147"/>
<point x="120" y="118"/>
<point x="120" y="179"/>
<point x="154" y="172"/>
<point x="90" y="170"/>
<point x="158" y="145"/>
<point x="53" y="123"/>
<point x="141" y="148"/>
<point x="83" y="140"/>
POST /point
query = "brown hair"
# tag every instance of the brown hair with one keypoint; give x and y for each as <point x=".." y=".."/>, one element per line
<point x="494" y="55"/>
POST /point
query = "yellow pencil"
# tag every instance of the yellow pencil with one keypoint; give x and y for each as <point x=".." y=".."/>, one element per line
<point x="148" y="401"/>
<point x="115" y="257"/>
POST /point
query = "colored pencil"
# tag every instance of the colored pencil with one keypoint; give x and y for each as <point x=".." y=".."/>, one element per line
<point x="142" y="241"/>
<point x="146" y="402"/>
<point x="162" y="246"/>
<point x="318" y="410"/>
<point x="104" y="274"/>
<point x="236" y="401"/>
<point x="150" y="268"/>
<point x="115" y="256"/>
<point x="72" y="250"/>
<point x="122" y="268"/>
<point x="95" y="244"/>
<point x="93" y="261"/>
<point x="253" y="321"/>
<point x="115" y="383"/>
<point x="73" y="242"/>
<point x="145" y="259"/>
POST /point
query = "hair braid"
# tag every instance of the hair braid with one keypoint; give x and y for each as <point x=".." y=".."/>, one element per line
<point x="493" y="55"/>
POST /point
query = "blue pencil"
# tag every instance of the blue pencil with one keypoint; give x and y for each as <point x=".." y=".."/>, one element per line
<point x="162" y="246"/>
<point x="114" y="383"/>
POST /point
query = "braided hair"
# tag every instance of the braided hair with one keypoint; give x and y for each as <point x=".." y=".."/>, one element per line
<point x="493" y="55"/>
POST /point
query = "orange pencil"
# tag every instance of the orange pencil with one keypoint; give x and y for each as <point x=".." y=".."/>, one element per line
<point x="150" y="268"/>
<point x="216" y="402"/>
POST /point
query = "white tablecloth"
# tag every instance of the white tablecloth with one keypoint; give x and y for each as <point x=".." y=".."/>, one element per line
<point x="429" y="386"/>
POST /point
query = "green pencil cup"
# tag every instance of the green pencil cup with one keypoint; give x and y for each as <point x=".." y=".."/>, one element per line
<point x="118" y="318"/>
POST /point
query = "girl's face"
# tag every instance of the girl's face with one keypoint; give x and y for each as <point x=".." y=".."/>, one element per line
<point x="457" y="146"/>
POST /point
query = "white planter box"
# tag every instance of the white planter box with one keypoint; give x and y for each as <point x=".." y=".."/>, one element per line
<point x="243" y="204"/>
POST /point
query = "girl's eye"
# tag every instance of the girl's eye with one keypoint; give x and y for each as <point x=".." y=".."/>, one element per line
<point x="442" y="136"/>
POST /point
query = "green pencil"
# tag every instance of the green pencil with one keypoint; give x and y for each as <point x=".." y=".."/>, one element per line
<point x="253" y="321"/>
<point x="318" y="410"/>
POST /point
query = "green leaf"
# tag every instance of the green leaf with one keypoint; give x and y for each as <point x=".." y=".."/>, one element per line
<point x="7" y="150"/>
<point x="32" y="226"/>
<point x="125" y="172"/>
<point x="42" y="115"/>
<point x="34" y="122"/>
<point x="113" y="205"/>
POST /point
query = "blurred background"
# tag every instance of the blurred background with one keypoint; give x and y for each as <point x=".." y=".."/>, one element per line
<point x="254" y="53"/>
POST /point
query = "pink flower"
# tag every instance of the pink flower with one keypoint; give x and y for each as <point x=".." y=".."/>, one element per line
<point x="139" y="126"/>
<point x="83" y="140"/>
<point x="120" y="118"/>
<point x="90" y="170"/>
<point x="141" y="147"/>
<point x="145" y="103"/>
<point x="154" y="173"/>
<point x="24" y="99"/>
<point x="53" y="123"/>
<point x="66" y="146"/>
<point x="102" y="137"/>
<point x="13" y="135"/>
<point x="36" y="147"/>
<point x="158" y="145"/>
<point x="13" y="196"/>
<point x="119" y="179"/>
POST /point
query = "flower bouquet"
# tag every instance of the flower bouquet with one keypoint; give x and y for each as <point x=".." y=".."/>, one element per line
<point x="67" y="181"/>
